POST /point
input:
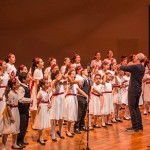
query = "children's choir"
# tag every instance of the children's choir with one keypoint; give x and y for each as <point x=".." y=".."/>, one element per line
<point x="57" y="95"/>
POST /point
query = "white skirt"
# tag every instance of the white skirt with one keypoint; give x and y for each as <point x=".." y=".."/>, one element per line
<point x="95" y="105"/>
<point x="117" y="98"/>
<point x="57" y="110"/>
<point x="2" y="107"/>
<point x="124" y="95"/>
<point x="12" y="128"/>
<point x="71" y="113"/>
<point x="108" y="104"/>
<point x="42" y="119"/>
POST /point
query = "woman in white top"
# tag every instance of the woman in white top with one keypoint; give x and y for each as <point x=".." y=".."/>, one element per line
<point x="11" y="118"/>
<point x="11" y="69"/>
<point x="4" y="77"/>
<point x="37" y="74"/>
<point x="76" y="60"/>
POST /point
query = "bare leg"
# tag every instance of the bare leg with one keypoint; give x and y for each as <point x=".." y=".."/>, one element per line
<point x="53" y="129"/>
<point x="4" y="140"/>
<point x="33" y="115"/>
<point x="14" y="141"/>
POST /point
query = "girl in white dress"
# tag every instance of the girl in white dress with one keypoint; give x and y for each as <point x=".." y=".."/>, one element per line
<point x="4" y="77"/>
<point x="117" y="85"/>
<point x="57" y="111"/>
<point x="96" y="102"/>
<point x="42" y="120"/>
<point x="11" y="118"/>
<point x="76" y="60"/>
<point x="107" y="108"/>
<point x="124" y="94"/>
<point x="146" y="91"/>
<point x="72" y="102"/>
<point x="105" y="67"/>
<point x="37" y="74"/>
<point x="11" y="69"/>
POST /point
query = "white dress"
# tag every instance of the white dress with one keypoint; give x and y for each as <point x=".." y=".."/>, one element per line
<point x="108" y="102"/>
<point x="117" y="94"/>
<point x="95" y="105"/>
<point x="71" y="113"/>
<point x="38" y="75"/>
<point x="146" y="88"/>
<point x="42" y="119"/>
<point x="124" y="91"/>
<point x="47" y="73"/>
<point x="57" y="110"/>
<point x="11" y="68"/>
<point x="8" y="127"/>
<point x="4" y="80"/>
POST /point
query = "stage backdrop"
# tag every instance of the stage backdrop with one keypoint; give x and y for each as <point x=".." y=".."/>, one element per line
<point x="60" y="28"/>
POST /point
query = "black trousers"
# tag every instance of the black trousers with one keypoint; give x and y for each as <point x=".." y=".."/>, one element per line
<point x="24" y="118"/>
<point x="133" y="102"/>
<point x="82" y="107"/>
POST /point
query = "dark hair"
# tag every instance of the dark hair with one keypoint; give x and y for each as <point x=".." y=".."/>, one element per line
<point x="131" y="56"/>
<point x="22" y="76"/>
<point x="97" y="75"/>
<point x="53" y="66"/>
<point x="50" y="60"/>
<point x="35" y="61"/>
<point x="54" y="74"/>
<point x="96" y="54"/>
<point x="11" y="82"/>
<point x="69" y="73"/>
<point x="73" y="59"/>
<point x="20" y="68"/>
<point x="8" y="56"/>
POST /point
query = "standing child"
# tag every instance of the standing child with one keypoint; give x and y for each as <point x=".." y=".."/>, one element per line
<point x="11" y="119"/>
<point x="42" y="120"/>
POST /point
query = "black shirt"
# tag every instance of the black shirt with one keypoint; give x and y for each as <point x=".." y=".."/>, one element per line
<point x="137" y="72"/>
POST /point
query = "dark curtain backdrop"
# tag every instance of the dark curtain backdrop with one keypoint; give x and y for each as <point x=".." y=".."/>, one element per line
<point x="60" y="28"/>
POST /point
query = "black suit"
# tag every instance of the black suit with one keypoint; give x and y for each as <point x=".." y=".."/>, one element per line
<point x="82" y="105"/>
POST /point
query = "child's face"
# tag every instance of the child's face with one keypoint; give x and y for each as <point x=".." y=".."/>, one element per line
<point x="109" y="77"/>
<point x="12" y="59"/>
<point x="40" y="64"/>
<point x="67" y="62"/>
<point x="25" y="69"/>
<point x="73" y="74"/>
<point x="98" y="56"/>
<point x="53" y="62"/>
<point x="97" y="79"/>
<point x="16" y="86"/>
<point x="27" y="79"/>
<point x="4" y="65"/>
<point x="78" y="59"/>
<point x="46" y="85"/>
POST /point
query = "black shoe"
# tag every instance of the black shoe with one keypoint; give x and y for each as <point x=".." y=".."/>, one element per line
<point x="77" y="131"/>
<point x="109" y="124"/>
<point x="132" y="130"/>
<point x="54" y="140"/>
<point x="25" y="143"/>
<point x="83" y="129"/>
<point x="21" y="145"/>
<point x="140" y="128"/>
<point x="62" y="137"/>
<point x="96" y="126"/>
<point x="119" y="120"/>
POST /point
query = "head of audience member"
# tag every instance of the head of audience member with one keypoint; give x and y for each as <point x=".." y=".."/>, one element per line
<point x="52" y="61"/>
<point x="11" y="59"/>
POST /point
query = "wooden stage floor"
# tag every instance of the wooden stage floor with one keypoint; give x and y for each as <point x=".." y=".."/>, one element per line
<point x="111" y="138"/>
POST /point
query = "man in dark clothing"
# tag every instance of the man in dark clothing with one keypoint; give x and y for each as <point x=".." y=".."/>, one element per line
<point x="82" y="104"/>
<point x="23" y="106"/>
<point x="137" y="71"/>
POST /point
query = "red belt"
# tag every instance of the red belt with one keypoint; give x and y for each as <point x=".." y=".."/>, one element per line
<point x="95" y="94"/>
<point x="44" y="102"/>
<point x="2" y="86"/>
<point x="147" y="82"/>
<point x="69" y="94"/>
<point x="56" y="94"/>
<point x="12" y="105"/>
<point x="107" y="92"/>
